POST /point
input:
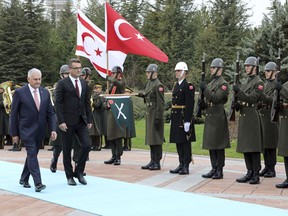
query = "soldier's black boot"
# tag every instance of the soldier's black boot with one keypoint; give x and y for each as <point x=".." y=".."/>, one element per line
<point x="184" y="170"/>
<point x="53" y="165"/>
<point x="176" y="171"/>
<point x="147" y="166"/>
<point x="110" y="161"/>
<point x="210" y="174"/>
<point x="264" y="171"/>
<point x="245" y="178"/>
<point x="155" y="166"/>
<point x="218" y="174"/>
<point x="117" y="161"/>
<point x="271" y="173"/>
<point x="255" y="178"/>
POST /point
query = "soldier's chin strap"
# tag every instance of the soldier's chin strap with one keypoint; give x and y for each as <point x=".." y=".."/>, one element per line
<point x="250" y="72"/>
<point x="151" y="75"/>
<point x="214" y="74"/>
<point x="270" y="77"/>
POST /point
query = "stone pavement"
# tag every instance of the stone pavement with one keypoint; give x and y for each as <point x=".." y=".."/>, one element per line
<point x="130" y="171"/>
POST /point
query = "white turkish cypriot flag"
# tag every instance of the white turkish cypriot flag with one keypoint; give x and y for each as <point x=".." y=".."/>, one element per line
<point x="91" y="44"/>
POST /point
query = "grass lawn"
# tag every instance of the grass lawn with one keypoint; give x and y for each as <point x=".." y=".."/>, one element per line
<point x="139" y="141"/>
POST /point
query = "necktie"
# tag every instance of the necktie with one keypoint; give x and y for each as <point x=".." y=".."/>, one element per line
<point x="77" y="88"/>
<point x="36" y="99"/>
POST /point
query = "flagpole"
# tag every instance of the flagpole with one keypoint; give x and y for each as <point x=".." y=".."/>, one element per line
<point x="107" y="51"/>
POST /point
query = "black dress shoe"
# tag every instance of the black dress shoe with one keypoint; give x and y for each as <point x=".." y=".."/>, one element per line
<point x="155" y="166"/>
<point x="263" y="172"/>
<point x="39" y="187"/>
<point x="71" y="182"/>
<point x="176" y="171"/>
<point x="210" y="174"/>
<point x="184" y="171"/>
<point x="147" y="165"/>
<point x="255" y="180"/>
<point x="282" y="185"/>
<point x="53" y="165"/>
<point x="117" y="162"/>
<point x="81" y="179"/>
<point x="111" y="161"/>
<point x="25" y="184"/>
<point x="270" y="174"/>
<point x="218" y="175"/>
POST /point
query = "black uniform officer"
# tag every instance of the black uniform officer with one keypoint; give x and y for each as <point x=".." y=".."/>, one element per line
<point x="249" y="141"/>
<point x="154" y="101"/>
<point x="216" y="131"/>
<point x="269" y="129"/>
<point x="182" y="130"/>
<point x="114" y="133"/>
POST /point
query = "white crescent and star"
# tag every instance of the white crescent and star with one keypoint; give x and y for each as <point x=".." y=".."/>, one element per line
<point x="117" y="24"/>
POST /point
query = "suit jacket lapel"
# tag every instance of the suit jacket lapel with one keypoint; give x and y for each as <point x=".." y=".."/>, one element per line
<point x="30" y="97"/>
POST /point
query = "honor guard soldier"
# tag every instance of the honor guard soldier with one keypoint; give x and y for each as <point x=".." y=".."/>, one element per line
<point x="269" y="129"/>
<point x="182" y="130"/>
<point x="216" y="131"/>
<point x="154" y="101"/>
<point x="4" y="119"/>
<point x="283" y="128"/>
<point x="249" y="141"/>
<point x="114" y="133"/>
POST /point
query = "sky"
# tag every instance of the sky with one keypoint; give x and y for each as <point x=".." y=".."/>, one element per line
<point x="259" y="7"/>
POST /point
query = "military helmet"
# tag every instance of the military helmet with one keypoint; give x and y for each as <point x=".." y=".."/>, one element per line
<point x="270" y="66"/>
<point x="217" y="62"/>
<point x="86" y="71"/>
<point x="181" y="66"/>
<point x="116" y="69"/>
<point x="64" y="69"/>
<point x="152" y="68"/>
<point x="251" y="61"/>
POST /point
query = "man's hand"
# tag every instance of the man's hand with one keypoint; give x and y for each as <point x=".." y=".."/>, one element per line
<point x="89" y="125"/>
<point x="53" y="135"/>
<point x="236" y="88"/>
<point x="203" y="85"/>
<point x="186" y="126"/>
<point x="63" y="127"/>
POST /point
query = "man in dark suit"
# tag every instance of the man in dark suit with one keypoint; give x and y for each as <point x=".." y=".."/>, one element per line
<point x="75" y="118"/>
<point x="31" y="111"/>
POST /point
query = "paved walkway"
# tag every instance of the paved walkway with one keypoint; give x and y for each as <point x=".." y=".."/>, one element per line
<point x="130" y="171"/>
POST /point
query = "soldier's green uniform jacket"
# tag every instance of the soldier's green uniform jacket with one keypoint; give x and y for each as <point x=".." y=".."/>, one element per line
<point x="216" y="131"/>
<point x="269" y="129"/>
<point x="99" y="114"/>
<point x="283" y="126"/>
<point x="249" y="126"/>
<point x="154" y="102"/>
<point x="113" y="130"/>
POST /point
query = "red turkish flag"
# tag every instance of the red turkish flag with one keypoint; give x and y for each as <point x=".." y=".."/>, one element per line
<point x="122" y="36"/>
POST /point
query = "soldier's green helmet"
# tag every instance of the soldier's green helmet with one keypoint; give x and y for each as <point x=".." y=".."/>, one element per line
<point x="152" y="68"/>
<point x="270" y="66"/>
<point x="86" y="71"/>
<point x="64" y="69"/>
<point x="217" y="62"/>
<point x="251" y="61"/>
<point x="117" y="69"/>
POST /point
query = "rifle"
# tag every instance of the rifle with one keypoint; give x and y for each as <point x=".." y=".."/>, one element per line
<point x="233" y="107"/>
<point x="276" y="98"/>
<point x="201" y="100"/>
<point x="257" y="67"/>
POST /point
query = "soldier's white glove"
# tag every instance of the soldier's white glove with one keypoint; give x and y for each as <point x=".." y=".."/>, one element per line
<point x="186" y="126"/>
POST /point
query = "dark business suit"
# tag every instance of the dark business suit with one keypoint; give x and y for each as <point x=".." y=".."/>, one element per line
<point x="76" y="113"/>
<point x="30" y="125"/>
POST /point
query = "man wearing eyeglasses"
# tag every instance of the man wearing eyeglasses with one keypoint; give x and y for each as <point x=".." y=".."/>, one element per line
<point x="75" y="118"/>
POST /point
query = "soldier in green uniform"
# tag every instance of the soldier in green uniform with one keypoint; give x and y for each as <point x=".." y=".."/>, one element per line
<point x="4" y="119"/>
<point x="283" y="128"/>
<point x="114" y="133"/>
<point x="182" y="131"/>
<point x="269" y="129"/>
<point x="216" y="131"/>
<point x="154" y="101"/>
<point x="249" y="141"/>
